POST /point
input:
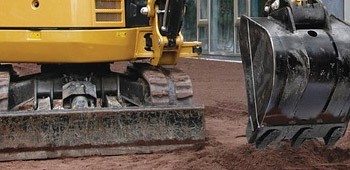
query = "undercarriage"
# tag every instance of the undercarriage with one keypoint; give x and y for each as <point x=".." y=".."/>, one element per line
<point x="66" y="110"/>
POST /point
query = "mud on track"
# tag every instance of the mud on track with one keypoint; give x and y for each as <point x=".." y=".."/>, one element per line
<point x="220" y="86"/>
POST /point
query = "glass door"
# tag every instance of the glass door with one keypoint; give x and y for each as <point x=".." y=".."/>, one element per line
<point x="189" y="29"/>
<point x="221" y="27"/>
<point x="203" y="24"/>
<point x="224" y="25"/>
<point x="216" y="24"/>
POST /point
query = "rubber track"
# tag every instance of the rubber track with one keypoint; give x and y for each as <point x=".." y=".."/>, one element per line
<point x="183" y="86"/>
<point x="159" y="88"/>
<point x="168" y="86"/>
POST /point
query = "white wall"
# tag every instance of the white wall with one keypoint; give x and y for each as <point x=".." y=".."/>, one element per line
<point x="347" y="10"/>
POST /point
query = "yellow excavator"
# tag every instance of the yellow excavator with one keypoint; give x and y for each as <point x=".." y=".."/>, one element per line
<point x="76" y="106"/>
<point x="297" y="64"/>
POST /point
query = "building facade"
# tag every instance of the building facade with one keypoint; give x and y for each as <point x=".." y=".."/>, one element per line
<point x="216" y="22"/>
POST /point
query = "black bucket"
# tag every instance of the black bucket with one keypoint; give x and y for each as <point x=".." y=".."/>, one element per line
<point x="297" y="77"/>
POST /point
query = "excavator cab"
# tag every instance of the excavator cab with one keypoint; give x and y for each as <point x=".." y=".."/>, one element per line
<point x="296" y="64"/>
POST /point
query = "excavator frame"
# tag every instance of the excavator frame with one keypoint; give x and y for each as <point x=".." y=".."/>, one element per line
<point x="76" y="106"/>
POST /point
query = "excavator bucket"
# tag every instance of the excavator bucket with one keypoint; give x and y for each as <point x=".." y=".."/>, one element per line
<point x="296" y="64"/>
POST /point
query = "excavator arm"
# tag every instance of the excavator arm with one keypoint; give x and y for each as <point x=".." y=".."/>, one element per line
<point x="166" y="18"/>
<point x="296" y="63"/>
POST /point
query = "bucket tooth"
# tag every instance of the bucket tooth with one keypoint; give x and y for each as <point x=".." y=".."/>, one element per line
<point x="333" y="136"/>
<point x="267" y="138"/>
<point x="300" y="137"/>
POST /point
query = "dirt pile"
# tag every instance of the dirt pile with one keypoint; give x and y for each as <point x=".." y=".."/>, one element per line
<point x="312" y="155"/>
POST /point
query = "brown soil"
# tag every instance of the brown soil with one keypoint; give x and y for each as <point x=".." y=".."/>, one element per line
<point x="220" y="86"/>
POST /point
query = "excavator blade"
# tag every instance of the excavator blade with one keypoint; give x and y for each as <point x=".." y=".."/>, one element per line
<point x="51" y="115"/>
<point x="297" y="76"/>
<point x="92" y="132"/>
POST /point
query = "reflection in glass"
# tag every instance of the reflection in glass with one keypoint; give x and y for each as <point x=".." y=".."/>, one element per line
<point x="257" y="7"/>
<point x="242" y="7"/>
<point x="242" y="10"/>
<point x="203" y="9"/>
<point x="189" y="29"/>
<point x="203" y="37"/>
<point x="222" y="26"/>
<point x="238" y="50"/>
